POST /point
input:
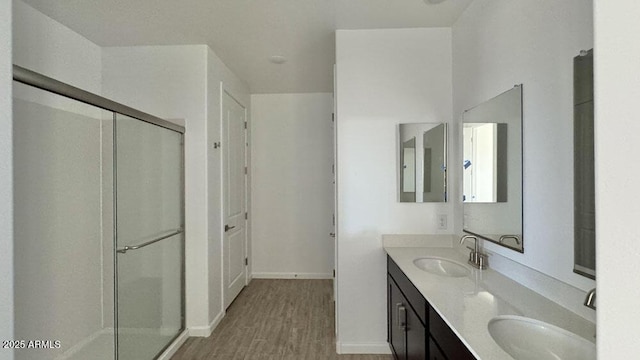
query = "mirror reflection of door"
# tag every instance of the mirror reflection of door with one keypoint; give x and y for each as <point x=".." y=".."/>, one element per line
<point x="485" y="162"/>
<point x="408" y="191"/>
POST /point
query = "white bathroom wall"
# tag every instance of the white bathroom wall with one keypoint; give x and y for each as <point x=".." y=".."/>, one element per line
<point x="44" y="45"/>
<point x="292" y="185"/>
<point x="384" y="77"/>
<point x="618" y="205"/>
<point x="170" y="82"/>
<point x="219" y="78"/>
<point x="500" y="43"/>
<point x="6" y="180"/>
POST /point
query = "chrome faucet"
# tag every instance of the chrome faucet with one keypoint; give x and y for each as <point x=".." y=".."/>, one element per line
<point x="590" y="300"/>
<point x="476" y="259"/>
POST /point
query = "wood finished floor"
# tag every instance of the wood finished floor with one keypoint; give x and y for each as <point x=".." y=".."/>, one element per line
<point x="275" y="319"/>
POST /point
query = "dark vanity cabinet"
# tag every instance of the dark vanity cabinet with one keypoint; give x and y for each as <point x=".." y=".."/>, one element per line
<point x="415" y="330"/>
<point x="406" y="331"/>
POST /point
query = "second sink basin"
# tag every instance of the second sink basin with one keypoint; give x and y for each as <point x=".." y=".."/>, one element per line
<point x="529" y="339"/>
<point x="442" y="267"/>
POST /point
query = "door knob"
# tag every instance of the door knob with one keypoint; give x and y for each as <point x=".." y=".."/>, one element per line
<point x="227" y="228"/>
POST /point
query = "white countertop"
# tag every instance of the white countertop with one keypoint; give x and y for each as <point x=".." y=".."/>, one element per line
<point x="468" y="303"/>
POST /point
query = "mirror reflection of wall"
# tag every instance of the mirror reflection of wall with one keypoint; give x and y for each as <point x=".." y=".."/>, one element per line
<point x="492" y="169"/>
<point x="485" y="162"/>
<point x="423" y="162"/>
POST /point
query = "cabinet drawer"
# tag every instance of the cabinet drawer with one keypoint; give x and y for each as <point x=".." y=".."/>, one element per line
<point x="449" y="343"/>
<point x="415" y="299"/>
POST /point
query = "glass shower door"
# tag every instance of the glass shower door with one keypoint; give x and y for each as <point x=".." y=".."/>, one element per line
<point x="149" y="237"/>
<point x="63" y="242"/>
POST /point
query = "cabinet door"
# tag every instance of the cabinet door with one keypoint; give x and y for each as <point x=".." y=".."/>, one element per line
<point x="451" y="346"/>
<point x="434" y="351"/>
<point x="416" y="337"/>
<point x="397" y="315"/>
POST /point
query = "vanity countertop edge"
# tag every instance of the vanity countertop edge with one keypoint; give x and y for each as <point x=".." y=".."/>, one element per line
<point x="467" y="304"/>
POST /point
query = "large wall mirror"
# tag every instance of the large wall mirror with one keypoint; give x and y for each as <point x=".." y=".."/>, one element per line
<point x="422" y="163"/>
<point x="492" y="170"/>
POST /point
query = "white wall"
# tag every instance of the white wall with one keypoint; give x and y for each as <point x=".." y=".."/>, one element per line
<point x="618" y="206"/>
<point x="499" y="43"/>
<point x="292" y="185"/>
<point x="6" y="180"/>
<point x="217" y="74"/>
<point x="44" y="45"/>
<point x="384" y="77"/>
<point x="170" y="82"/>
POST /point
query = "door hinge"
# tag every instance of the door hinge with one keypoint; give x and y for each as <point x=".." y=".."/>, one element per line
<point x="246" y="216"/>
<point x="334" y="273"/>
<point x="246" y="171"/>
<point x="246" y="261"/>
<point x="333" y="169"/>
<point x="333" y="219"/>
<point x="245" y="124"/>
<point x="333" y="117"/>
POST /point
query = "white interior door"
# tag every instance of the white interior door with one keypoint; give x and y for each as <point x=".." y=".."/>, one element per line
<point x="234" y="181"/>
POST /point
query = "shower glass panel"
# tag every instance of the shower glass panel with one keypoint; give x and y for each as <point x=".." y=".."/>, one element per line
<point x="149" y="237"/>
<point x="98" y="218"/>
<point x="63" y="234"/>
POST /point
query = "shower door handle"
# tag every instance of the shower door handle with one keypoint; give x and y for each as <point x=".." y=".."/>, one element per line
<point x="139" y="246"/>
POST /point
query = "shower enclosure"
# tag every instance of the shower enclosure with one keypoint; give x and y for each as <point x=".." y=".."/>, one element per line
<point x="99" y="225"/>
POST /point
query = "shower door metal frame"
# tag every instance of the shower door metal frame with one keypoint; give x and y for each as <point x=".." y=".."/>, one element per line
<point x="43" y="82"/>
<point x="37" y="80"/>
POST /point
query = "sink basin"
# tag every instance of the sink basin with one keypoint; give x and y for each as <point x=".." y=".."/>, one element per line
<point x="442" y="267"/>
<point x="529" y="339"/>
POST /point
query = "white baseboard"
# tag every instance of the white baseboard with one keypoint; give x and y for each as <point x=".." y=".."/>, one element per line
<point x="367" y="348"/>
<point x="275" y="275"/>
<point x="175" y="345"/>
<point x="205" y="331"/>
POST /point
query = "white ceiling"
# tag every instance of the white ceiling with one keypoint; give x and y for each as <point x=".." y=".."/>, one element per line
<point x="244" y="33"/>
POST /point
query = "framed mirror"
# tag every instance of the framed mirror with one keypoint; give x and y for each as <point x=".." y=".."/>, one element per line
<point x="422" y="163"/>
<point x="492" y="170"/>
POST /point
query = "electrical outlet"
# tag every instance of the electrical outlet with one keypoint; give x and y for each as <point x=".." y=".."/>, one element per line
<point x="442" y="222"/>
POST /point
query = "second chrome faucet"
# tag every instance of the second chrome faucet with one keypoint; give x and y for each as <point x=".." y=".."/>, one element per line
<point x="476" y="258"/>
